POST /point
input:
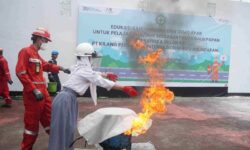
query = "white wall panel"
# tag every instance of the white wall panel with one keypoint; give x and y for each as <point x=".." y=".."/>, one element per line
<point x="20" y="18"/>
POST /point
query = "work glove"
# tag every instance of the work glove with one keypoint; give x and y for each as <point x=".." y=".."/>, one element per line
<point x="10" y="82"/>
<point x="65" y="70"/>
<point x="112" y="77"/>
<point x="130" y="91"/>
<point x="38" y="94"/>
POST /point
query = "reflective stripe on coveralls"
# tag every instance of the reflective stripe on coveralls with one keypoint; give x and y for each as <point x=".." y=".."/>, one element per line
<point x="39" y="82"/>
<point x="30" y="132"/>
<point x="22" y="72"/>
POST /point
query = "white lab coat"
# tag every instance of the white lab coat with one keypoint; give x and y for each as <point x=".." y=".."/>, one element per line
<point x="83" y="76"/>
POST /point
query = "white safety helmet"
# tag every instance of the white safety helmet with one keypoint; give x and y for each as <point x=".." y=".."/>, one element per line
<point x="85" y="49"/>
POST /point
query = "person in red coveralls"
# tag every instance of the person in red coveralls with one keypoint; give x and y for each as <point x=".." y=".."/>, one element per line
<point x="214" y="69"/>
<point x="5" y="78"/>
<point x="29" y="69"/>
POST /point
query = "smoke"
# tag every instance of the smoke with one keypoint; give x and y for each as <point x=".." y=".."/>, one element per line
<point x="169" y="30"/>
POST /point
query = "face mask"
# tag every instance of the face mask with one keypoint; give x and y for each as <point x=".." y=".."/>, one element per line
<point x="44" y="46"/>
<point x="96" y="62"/>
<point x="90" y="60"/>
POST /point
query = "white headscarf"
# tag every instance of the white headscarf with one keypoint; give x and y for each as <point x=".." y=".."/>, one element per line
<point x="85" y="63"/>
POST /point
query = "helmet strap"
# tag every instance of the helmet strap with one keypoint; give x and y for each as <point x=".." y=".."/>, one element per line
<point x="94" y="54"/>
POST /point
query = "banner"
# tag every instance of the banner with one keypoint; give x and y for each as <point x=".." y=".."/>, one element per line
<point x="197" y="48"/>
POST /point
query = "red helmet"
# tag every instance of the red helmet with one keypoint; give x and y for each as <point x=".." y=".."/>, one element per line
<point x="42" y="32"/>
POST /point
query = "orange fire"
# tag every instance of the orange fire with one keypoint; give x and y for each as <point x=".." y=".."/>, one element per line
<point x="137" y="44"/>
<point x="155" y="97"/>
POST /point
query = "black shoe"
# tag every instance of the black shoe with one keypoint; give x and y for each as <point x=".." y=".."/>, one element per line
<point x="6" y="105"/>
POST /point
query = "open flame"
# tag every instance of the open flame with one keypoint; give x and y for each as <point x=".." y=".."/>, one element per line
<point x="137" y="44"/>
<point x="155" y="97"/>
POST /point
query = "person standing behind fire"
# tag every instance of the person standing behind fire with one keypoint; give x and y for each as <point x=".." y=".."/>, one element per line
<point x="29" y="69"/>
<point x="65" y="105"/>
<point x="5" y="78"/>
<point x="53" y="77"/>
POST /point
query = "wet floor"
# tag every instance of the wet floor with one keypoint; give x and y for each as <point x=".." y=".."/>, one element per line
<point x="189" y="124"/>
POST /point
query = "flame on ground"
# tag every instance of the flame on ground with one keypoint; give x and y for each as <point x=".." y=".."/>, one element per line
<point x="155" y="97"/>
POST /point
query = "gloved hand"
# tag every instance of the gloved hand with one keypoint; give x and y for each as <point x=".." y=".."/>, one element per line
<point x="38" y="94"/>
<point x="65" y="70"/>
<point x="112" y="77"/>
<point x="10" y="82"/>
<point x="130" y="91"/>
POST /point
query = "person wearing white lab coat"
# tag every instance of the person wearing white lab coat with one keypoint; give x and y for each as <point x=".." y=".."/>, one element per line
<point x="65" y="105"/>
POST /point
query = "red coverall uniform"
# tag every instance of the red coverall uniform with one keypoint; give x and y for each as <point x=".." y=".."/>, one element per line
<point x="4" y="78"/>
<point x="215" y="70"/>
<point x="29" y="70"/>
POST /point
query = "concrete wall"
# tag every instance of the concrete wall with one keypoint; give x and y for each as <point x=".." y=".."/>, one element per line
<point x="20" y="18"/>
